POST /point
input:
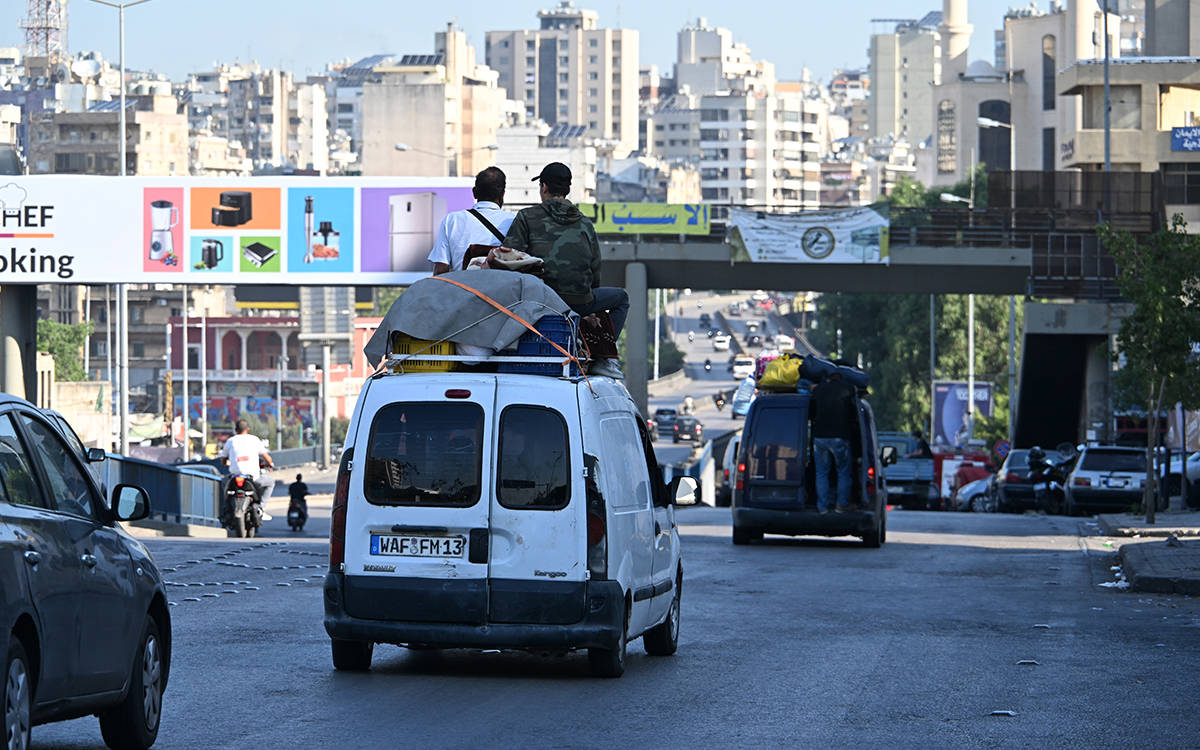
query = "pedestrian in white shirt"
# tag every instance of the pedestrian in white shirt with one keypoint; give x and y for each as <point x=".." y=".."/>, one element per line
<point x="485" y="223"/>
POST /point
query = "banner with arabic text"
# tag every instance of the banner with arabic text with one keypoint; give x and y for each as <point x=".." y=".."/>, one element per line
<point x="842" y="235"/>
<point x="648" y="218"/>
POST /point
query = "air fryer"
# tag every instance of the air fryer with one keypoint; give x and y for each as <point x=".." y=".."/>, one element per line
<point x="258" y="253"/>
<point x="233" y="210"/>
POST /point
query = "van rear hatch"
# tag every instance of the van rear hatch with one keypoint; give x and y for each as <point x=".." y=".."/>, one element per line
<point x="776" y="451"/>
<point x="417" y="519"/>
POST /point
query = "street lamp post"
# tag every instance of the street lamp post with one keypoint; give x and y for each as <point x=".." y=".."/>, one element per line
<point x="122" y="290"/>
<point x="951" y="198"/>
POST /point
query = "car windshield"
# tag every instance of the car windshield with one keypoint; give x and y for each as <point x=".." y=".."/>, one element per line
<point x="425" y="454"/>
<point x="1114" y="460"/>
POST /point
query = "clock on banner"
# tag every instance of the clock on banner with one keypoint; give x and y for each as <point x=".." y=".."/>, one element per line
<point x="817" y="243"/>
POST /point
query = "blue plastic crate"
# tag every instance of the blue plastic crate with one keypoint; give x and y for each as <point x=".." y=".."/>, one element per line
<point x="558" y="329"/>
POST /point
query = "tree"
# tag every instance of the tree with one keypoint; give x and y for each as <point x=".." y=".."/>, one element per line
<point x="1160" y="276"/>
<point x="64" y="342"/>
<point x="385" y="296"/>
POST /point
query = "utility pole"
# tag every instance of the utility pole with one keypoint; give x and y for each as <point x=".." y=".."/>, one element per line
<point x="1012" y="367"/>
<point x="1107" y="121"/>
<point x="187" y="394"/>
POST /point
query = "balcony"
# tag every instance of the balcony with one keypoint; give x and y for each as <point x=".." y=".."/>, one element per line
<point x="1144" y="147"/>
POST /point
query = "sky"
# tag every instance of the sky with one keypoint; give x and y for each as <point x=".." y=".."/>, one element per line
<point x="179" y="36"/>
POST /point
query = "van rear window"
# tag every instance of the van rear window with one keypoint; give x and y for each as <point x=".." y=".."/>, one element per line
<point x="534" y="469"/>
<point x="777" y="446"/>
<point x="425" y="454"/>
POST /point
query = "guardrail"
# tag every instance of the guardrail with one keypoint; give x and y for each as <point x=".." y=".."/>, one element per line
<point x="295" y="456"/>
<point x="177" y="494"/>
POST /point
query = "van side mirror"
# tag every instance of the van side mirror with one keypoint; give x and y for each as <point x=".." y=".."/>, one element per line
<point x="95" y="455"/>
<point x="682" y="491"/>
<point x="129" y="503"/>
<point x="888" y="455"/>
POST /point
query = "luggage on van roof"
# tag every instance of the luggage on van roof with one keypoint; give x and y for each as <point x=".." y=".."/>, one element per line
<point x="436" y="309"/>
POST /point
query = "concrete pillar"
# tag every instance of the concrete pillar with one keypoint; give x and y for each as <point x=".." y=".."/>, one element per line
<point x="18" y="340"/>
<point x="1094" y="413"/>
<point x="637" y="336"/>
<point x="243" y="336"/>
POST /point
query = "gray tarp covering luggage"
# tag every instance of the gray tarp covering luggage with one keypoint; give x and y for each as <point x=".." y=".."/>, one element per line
<point x="435" y="310"/>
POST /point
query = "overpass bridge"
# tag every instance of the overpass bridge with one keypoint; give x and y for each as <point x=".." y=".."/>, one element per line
<point x="1040" y="254"/>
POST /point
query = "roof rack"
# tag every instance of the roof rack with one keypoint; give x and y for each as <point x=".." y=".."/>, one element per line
<point x="393" y="361"/>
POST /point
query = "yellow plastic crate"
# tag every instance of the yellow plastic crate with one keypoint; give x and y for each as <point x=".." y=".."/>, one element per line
<point x="403" y="345"/>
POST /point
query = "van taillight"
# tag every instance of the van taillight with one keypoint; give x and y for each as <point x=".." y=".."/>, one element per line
<point x="337" y="521"/>
<point x="597" y="534"/>
<point x="870" y="473"/>
<point x="741" y="476"/>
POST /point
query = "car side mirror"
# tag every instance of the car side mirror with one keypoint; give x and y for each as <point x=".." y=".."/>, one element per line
<point x="888" y="455"/>
<point x="129" y="503"/>
<point x="95" y="455"/>
<point x="682" y="491"/>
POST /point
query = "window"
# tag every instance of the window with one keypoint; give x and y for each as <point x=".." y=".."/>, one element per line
<point x="70" y="489"/>
<point x="425" y="454"/>
<point x="530" y="62"/>
<point x="593" y="59"/>
<point x="628" y="489"/>
<point x="17" y="483"/>
<point x="1048" y="149"/>
<point x="593" y="43"/>
<point x="593" y="76"/>
<point x="564" y="61"/>
<point x="563" y="77"/>
<point x="592" y="108"/>
<point x="1182" y="182"/>
<point x="505" y="60"/>
<point x="528" y="94"/>
<point x="533" y="471"/>
<point x="343" y="108"/>
<point x="137" y="349"/>
<point x="947" y="138"/>
<point x="995" y="144"/>
<point x="776" y="451"/>
<point x="530" y="45"/>
<point x="593" y="92"/>
<point x="1048" y="69"/>
<point x="563" y="45"/>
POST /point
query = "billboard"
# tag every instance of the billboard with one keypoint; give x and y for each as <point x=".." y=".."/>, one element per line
<point x="841" y="235"/>
<point x="648" y="218"/>
<point x="950" y="410"/>
<point x="260" y="230"/>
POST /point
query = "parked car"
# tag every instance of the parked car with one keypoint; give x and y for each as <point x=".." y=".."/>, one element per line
<point x="1191" y="468"/>
<point x="83" y="604"/>
<point x="974" y="497"/>
<point x="742" y="367"/>
<point x="724" y="492"/>
<point x="688" y="428"/>
<point x="774" y="484"/>
<point x="1105" y="478"/>
<point x="1010" y="488"/>
<point x="502" y="511"/>
<point x="743" y="397"/>
<point x="911" y="482"/>
<point x="721" y="343"/>
<point x="664" y="422"/>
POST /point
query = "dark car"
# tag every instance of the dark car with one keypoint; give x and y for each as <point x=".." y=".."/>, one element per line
<point x="705" y="320"/>
<point x="754" y="339"/>
<point x="664" y="421"/>
<point x="1011" y="489"/>
<point x="82" y="601"/>
<point x="774" y="488"/>
<point x="688" y="428"/>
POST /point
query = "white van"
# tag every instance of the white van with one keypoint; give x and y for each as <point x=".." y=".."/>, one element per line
<point x="477" y="510"/>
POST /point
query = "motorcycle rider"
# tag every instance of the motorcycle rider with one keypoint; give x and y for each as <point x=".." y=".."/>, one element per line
<point x="689" y="406"/>
<point x="298" y="492"/>
<point x="242" y="453"/>
<point x="707" y="365"/>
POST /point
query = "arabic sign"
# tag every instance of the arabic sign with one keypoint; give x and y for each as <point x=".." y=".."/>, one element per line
<point x="648" y="218"/>
<point x="950" y="410"/>
<point x="847" y="235"/>
<point x="1185" y="139"/>
<point x="291" y="230"/>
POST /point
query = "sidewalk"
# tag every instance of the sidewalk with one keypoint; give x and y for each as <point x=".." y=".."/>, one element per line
<point x="1162" y="567"/>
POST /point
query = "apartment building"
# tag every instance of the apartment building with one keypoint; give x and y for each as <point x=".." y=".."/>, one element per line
<point x="709" y="61"/>
<point x="569" y="71"/>
<point x="524" y="148"/>
<point x="673" y="130"/>
<point x="905" y="62"/>
<point x="88" y="142"/>
<point x="432" y="115"/>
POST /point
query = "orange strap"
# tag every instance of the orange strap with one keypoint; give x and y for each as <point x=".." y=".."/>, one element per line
<point x="515" y="317"/>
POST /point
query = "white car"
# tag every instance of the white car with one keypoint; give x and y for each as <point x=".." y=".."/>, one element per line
<point x="785" y="343"/>
<point x="1106" y="477"/>
<point x="743" y="367"/>
<point x="721" y="343"/>
<point x="502" y="511"/>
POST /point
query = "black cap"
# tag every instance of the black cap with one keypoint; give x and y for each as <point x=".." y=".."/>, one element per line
<point x="555" y="171"/>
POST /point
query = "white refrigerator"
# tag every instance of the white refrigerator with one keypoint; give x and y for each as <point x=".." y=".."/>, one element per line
<point x="413" y="219"/>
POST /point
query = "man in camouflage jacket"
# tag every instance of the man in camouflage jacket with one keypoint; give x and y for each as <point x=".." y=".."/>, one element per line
<point x="558" y="233"/>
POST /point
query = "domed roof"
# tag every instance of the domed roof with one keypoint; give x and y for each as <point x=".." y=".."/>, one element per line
<point x="981" y="69"/>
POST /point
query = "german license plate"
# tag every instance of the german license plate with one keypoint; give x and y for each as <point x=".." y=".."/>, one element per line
<point x="400" y="545"/>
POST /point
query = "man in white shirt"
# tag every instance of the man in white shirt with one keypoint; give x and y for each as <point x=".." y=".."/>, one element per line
<point x="241" y="453"/>
<point x="485" y="223"/>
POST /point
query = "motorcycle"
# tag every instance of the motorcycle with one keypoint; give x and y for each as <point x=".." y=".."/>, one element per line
<point x="1049" y="479"/>
<point x="708" y="365"/>
<point x="296" y="515"/>
<point x="719" y="400"/>
<point x="689" y="406"/>
<point x="242" y="512"/>
<point x="691" y="337"/>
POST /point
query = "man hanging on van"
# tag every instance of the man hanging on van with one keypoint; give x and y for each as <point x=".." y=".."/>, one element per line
<point x="557" y="232"/>
<point x="483" y="224"/>
<point x="834" y="419"/>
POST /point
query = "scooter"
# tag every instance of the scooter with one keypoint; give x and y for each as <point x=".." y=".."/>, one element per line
<point x="691" y="337"/>
<point x="297" y="516"/>
<point x="1049" y="478"/>
<point x="719" y="400"/>
<point x="242" y="512"/>
<point x="708" y="365"/>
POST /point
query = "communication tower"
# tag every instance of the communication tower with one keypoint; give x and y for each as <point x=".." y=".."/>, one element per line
<point x="45" y="28"/>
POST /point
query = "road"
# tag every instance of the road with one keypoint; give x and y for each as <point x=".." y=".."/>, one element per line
<point x="792" y="643"/>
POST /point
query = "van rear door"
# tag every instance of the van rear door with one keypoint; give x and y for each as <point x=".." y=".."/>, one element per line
<point x="417" y="520"/>
<point x="776" y="449"/>
<point x="538" y="564"/>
